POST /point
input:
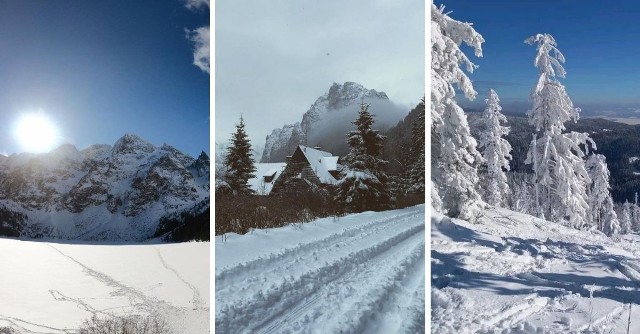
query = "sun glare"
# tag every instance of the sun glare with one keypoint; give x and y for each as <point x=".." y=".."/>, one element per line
<point x="36" y="133"/>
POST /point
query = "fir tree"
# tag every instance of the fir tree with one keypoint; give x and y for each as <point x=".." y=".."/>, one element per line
<point x="635" y="214"/>
<point x="560" y="177"/>
<point x="238" y="162"/>
<point x="625" y="218"/>
<point x="495" y="151"/>
<point x="454" y="157"/>
<point x="601" y="211"/>
<point x="363" y="185"/>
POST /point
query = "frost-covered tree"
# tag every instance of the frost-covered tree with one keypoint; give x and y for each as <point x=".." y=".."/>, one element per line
<point x="601" y="210"/>
<point x="238" y="162"/>
<point x="635" y="214"/>
<point x="520" y="197"/>
<point x="495" y="151"/>
<point x="560" y="177"/>
<point x="363" y="185"/>
<point x="625" y="218"/>
<point x="454" y="159"/>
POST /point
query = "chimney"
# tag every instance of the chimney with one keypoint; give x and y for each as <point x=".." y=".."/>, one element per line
<point x="317" y="147"/>
<point x="288" y="159"/>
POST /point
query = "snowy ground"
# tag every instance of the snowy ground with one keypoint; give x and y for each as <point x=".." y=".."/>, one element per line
<point x="363" y="273"/>
<point x="51" y="287"/>
<point x="513" y="273"/>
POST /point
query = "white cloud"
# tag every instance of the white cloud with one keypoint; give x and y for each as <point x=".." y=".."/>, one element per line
<point x="201" y="54"/>
<point x="196" y="4"/>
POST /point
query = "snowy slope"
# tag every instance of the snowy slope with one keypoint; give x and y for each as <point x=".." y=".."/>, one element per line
<point x="363" y="273"/>
<point x="52" y="288"/>
<point x="513" y="273"/>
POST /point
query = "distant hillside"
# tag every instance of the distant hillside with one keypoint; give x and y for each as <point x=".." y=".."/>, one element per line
<point x="396" y="145"/>
<point x="618" y="142"/>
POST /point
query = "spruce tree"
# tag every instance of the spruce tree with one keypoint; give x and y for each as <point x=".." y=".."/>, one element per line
<point x="560" y="177"/>
<point x="635" y="215"/>
<point x="454" y="157"/>
<point x="495" y="151"/>
<point x="601" y="211"/>
<point x="625" y="218"/>
<point x="238" y="162"/>
<point x="363" y="185"/>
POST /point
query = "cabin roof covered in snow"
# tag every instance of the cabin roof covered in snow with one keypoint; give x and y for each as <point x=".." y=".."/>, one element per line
<point x="265" y="169"/>
<point x="321" y="162"/>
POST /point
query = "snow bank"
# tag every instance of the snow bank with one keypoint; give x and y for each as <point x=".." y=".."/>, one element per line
<point x="513" y="273"/>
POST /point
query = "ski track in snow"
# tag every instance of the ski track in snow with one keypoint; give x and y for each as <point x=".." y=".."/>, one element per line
<point x="512" y="273"/>
<point x="136" y="297"/>
<point x="197" y="300"/>
<point x="132" y="300"/>
<point x="368" y="278"/>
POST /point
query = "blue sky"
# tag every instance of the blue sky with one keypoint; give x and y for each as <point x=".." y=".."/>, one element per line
<point x="598" y="39"/>
<point x="100" y="69"/>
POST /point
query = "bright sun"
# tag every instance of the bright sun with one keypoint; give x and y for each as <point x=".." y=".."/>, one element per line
<point x="36" y="133"/>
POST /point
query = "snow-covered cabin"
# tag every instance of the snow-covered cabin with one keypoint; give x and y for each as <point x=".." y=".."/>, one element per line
<point x="266" y="175"/>
<point x="309" y="164"/>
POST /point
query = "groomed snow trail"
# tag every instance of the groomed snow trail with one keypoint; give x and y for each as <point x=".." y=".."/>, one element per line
<point x="362" y="273"/>
<point x="513" y="273"/>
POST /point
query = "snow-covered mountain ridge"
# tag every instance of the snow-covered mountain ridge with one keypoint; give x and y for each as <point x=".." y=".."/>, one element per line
<point x="327" y="120"/>
<point x="103" y="192"/>
<point x="514" y="273"/>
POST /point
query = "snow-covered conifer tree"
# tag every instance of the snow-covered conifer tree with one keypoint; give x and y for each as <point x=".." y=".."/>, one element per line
<point x="363" y="185"/>
<point x="416" y="170"/>
<point x="238" y="162"/>
<point x="601" y="211"/>
<point x="559" y="171"/>
<point x="635" y="215"/>
<point x="495" y="151"/>
<point x="625" y="218"/>
<point x="455" y="158"/>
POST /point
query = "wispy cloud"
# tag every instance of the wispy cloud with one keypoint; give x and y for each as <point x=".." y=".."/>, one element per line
<point x="196" y="4"/>
<point x="200" y="37"/>
<point x="201" y="54"/>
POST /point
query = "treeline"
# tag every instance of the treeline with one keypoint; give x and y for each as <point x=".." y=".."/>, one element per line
<point x="618" y="142"/>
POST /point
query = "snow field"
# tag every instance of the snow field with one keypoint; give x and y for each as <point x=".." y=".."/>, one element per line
<point x="363" y="272"/>
<point x="51" y="288"/>
<point x="513" y="273"/>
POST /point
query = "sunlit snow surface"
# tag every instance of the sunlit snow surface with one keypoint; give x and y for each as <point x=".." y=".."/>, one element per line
<point x="513" y="273"/>
<point x="51" y="287"/>
<point x="363" y="273"/>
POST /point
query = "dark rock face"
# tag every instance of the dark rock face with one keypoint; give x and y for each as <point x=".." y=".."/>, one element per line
<point x="69" y="193"/>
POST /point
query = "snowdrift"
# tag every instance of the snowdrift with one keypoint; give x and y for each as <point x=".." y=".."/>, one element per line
<point x="513" y="273"/>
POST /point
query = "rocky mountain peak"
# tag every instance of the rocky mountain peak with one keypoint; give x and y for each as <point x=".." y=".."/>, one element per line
<point x="332" y="110"/>
<point x="102" y="191"/>
<point x="348" y="93"/>
<point x="130" y="143"/>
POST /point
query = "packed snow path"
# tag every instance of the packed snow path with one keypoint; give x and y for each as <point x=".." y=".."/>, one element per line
<point x="363" y="273"/>
<point x="51" y="288"/>
<point x="513" y="273"/>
